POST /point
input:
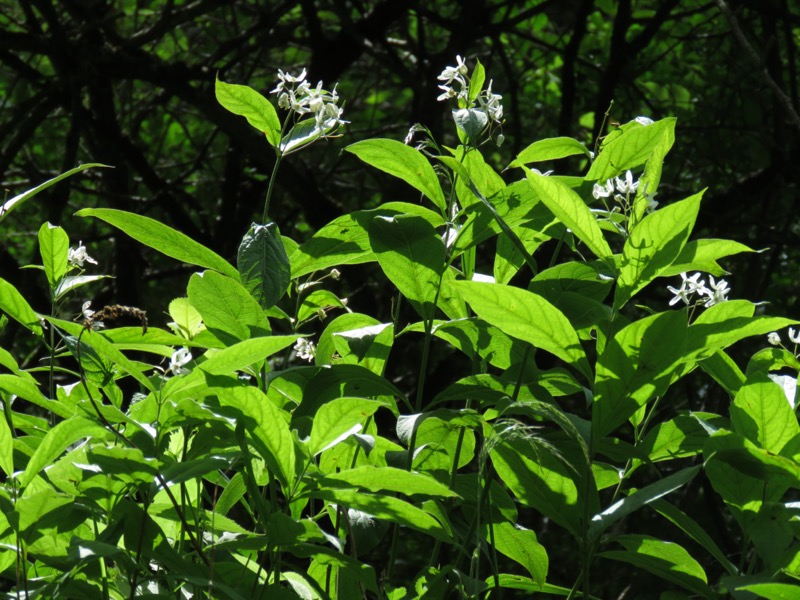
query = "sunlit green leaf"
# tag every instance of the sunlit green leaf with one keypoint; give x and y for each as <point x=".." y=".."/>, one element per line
<point x="246" y="102"/>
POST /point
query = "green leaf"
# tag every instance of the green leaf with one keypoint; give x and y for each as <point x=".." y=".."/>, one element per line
<point x="636" y="366"/>
<point x="540" y="480"/>
<point x="162" y="238"/>
<point x="73" y="282"/>
<point x="412" y="256"/>
<point x="267" y="427"/>
<point x="246" y="102"/>
<point x="27" y="390"/>
<point x="519" y="544"/>
<point x="388" y="479"/>
<point x="404" y="162"/>
<point x="702" y="255"/>
<point x="226" y="306"/>
<point x="694" y="530"/>
<point x="639" y="498"/>
<point x="653" y="245"/>
<point x="345" y="240"/>
<point x="724" y="371"/>
<point x="648" y="182"/>
<point x="387" y="508"/>
<point x="302" y="134"/>
<point x="55" y="441"/>
<point x="680" y="437"/>
<point x="19" y="199"/>
<point x="664" y="559"/>
<point x="772" y="591"/>
<point x="526" y="316"/>
<point x="761" y="413"/>
<point x="337" y="420"/>
<point x="549" y="149"/>
<point x="6" y="448"/>
<point x="633" y="147"/>
<point x="317" y="304"/>
<point x="263" y="264"/>
<point x="368" y="345"/>
<point x="15" y="306"/>
<point x="54" y="248"/>
<point x="571" y="210"/>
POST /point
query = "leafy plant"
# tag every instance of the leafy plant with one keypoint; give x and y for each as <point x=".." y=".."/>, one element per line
<point x="237" y="470"/>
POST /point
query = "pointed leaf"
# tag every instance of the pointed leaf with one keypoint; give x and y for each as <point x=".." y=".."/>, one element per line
<point x="162" y="238"/>
<point x="519" y="544"/>
<point x="389" y="479"/>
<point x="246" y="102"/>
<point x="263" y="264"/>
<point x="526" y="316"/>
<point x="550" y="149"/>
<point x="337" y="420"/>
<point x="653" y="245"/>
<point x="17" y="201"/>
<point x="761" y="414"/>
<point x="54" y="248"/>
<point x="630" y="148"/>
<point x="412" y="256"/>
<point x="404" y="162"/>
<point x="572" y="211"/>
<point x="15" y="306"/>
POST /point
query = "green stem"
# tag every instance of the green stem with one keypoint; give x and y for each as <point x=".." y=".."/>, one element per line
<point x="278" y="158"/>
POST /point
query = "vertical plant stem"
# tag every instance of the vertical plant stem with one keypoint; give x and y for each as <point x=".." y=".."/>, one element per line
<point x="278" y="158"/>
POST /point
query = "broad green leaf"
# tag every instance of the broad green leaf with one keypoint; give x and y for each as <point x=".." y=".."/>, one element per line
<point x="476" y="81"/>
<point x="481" y="175"/>
<point x="636" y="366"/>
<point x="679" y="437"/>
<point x="317" y="304"/>
<point x="412" y="256"/>
<point x="540" y="480"/>
<point x="664" y="559"/>
<point x="55" y="441"/>
<point x="246" y="353"/>
<point x="19" y="199"/>
<point x="526" y="316"/>
<point x="653" y="245"/>
<point x="761" y="413"/>
<point x="439" y="437"/>
<point x="694" y="530"/>
<point x="526" y="584"/>
<point x="246" y="102"/>
<point x="267" y="427"/>
<point x="162" y="238"/>
<point x="54" y="248"/>
<point x="509" y="260"/>
<point x="6" y="449"/>
<point x="571" y="210"/>
<point x="772" y="591"/>
<point x="388" y="479"/>
<point x="105" y="350"/>
<point x="339" y="570"/>
<point x="302" y="134"/>
<point x="472" y="122"/>
<point x="122" y="463"/>
<point x="404" y="162"/>
<point x="649" y="180"/>
<point x="702" y="255"/>
<point x="185" y="317"/>
<point x="726" y="323"/>
<point x="368" y="346"/>
<point x="387" y="508"/>
<point x="72" y="282"/>
<point x="724" y="371"/>
<point x="641" y="497"/>
<point x="337" y="420"/>
<point x="363" y="326"/>
<point x="263" y="264"/>
<point x="187" y="470"/>
<point x="520" y="545"/>
<point x="549" y="149"/>
<point x="226" y="306"/>
<point x="15" y="306"/>
<point x="633" y="147"/>
<point x="27" y="390"/>
<point x="345" y="240"/>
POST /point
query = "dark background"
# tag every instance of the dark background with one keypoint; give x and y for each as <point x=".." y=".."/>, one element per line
<point x="130" y="84"/>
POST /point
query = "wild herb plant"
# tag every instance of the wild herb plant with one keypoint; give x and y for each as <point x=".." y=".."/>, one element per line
<point x="260" y="460"/>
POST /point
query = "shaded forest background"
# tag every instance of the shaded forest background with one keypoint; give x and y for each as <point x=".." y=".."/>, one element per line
<point x="129" y="83"/>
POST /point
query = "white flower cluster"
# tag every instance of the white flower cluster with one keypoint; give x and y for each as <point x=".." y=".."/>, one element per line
<point x="297" y="95"/>
<point x="714" y="293"/>
<point x="774" y="339"/>
<point x="456" y="85"/>
<point x="305" y="350"/>
<point x="78" y="256"/>
<point x="179" y="358"/>
<point x="620" y="190"/>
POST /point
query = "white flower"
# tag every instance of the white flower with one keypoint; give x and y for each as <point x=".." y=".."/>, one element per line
<point x="451" y="73"/>
<point x="491" y="103"/>
<point x="718" y="292"/>
<point x="652" y="203"/>
<point x="603" y="191"/>
<point x="77" y="256"/>
<point x="644" y="121"/>
<point x="794" y="337"/>
<point x="305" y="350"/>
<point x="179" y="358"/>
<point x="689" y="286"/>
<point x="88" y="312"/>
<point x="774" y="339"/>
<point x="628" y="186"/>
<point x="286" y="78"/>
